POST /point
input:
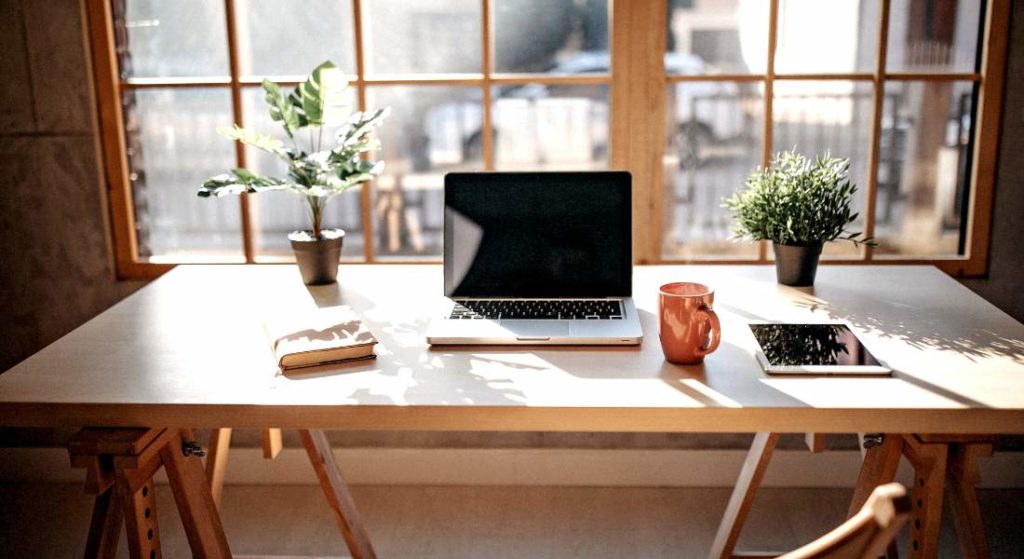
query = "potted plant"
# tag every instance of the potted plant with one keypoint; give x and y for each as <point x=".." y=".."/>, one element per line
<point x="798" y="205"/>
<point x="316" y="172"/>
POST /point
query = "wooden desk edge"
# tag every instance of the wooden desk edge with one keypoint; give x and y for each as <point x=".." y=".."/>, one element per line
<point x="517" y="418"/>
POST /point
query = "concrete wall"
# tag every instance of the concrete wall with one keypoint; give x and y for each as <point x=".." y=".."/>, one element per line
<point x="1004" y="286"/>
<point x="56" y="267"/>
<point x="56" y="270"/>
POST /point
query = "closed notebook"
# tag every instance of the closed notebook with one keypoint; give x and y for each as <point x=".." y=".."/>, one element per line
<point x="328" y="335"/>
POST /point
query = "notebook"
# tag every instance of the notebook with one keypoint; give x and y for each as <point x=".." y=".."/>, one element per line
<point x="537" y="258"/>
<point x="319" y="337"/>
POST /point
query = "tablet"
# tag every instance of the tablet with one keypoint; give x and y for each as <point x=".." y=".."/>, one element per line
<point x="814" y="349"/>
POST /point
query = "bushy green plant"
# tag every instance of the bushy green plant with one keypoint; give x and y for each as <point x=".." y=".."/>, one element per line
<point x="319" y="174"/>
<point x="797" y="202"/>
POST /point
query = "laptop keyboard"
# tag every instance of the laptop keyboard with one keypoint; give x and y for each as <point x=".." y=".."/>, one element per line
<point x="537" y="309"/>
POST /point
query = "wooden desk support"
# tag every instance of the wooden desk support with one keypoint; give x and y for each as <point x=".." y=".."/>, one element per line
<point x="943" y="464"/>
<point x="217" y="462"/>
<point x="327" y="472"/>
<point x="120" y="466"/>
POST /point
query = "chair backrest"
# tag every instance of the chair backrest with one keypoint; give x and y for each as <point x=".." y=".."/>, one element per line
<point x="865" y="535"/>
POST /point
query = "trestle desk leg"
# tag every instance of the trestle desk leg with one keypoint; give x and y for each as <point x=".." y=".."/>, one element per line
<point x="337" y="493"/>
<point x="743" y="494"/>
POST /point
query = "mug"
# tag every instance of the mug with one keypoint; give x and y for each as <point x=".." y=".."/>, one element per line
<point x="689" y="328"/>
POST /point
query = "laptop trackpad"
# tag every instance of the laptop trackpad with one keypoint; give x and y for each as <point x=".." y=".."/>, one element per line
<point x="539" y="330"/>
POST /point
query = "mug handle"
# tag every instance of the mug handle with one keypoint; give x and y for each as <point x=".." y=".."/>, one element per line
<point x="715" y="335"/>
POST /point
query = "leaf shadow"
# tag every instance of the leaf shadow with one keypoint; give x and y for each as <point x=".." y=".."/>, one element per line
<point x="977" y="343"/>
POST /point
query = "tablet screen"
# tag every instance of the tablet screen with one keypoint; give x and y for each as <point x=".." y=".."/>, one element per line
<point x="795" y="345"/>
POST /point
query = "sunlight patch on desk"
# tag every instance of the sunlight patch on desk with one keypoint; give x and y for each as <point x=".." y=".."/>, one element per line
<point x="848" y="392"/>
<point x="639" y="393"/>
<point x="709" y="396"/>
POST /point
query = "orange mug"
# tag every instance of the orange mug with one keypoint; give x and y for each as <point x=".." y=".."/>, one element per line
<point x="689" y="328"/>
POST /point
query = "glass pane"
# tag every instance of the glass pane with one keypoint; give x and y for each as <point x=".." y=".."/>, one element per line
<point x="541" y="127"/>
<point x="173" y="146"/>
<point x="543" y="36"/>
<point x="848" y="43"/>
<point x="275" y="214"/>
<point x="933" y="35"/>
<point x="432" y="130"/>
<point x="714" y="141"/>
<point x="422" y="37"/>
<point x="924" y="167"/>
<point x="833" y="116"/>
<point x="174" y="39"/>
<point x="717" y="37"/>
<point x="282" y="42"/>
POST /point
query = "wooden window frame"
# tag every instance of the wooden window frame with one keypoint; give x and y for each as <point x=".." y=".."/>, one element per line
<point x="637" y="84"/>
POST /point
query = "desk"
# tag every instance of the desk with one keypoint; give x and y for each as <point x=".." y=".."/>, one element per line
<point x="187" y="351"/>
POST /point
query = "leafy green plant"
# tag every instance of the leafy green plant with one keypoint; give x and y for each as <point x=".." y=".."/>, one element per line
<point x="797" y="202"/>
<point x="319" y="174"/>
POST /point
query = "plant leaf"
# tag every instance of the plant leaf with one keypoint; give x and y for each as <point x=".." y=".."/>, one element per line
<point x="322" y="94"/>
<point x="254" y="139"/>
<point x="295" y="100"/>
<point x="322" y="174"/>
<point x="280" y="109"/>
<point x="797" y="200"/>
<point x="239" y="181"/>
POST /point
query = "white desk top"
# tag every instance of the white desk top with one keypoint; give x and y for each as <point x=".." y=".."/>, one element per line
<point x="188" y="350"/>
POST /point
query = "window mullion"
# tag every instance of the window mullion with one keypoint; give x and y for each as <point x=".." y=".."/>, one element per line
<point x="874" y="155"/>
<point x="111" y="126"/>
<point x="487" y="45"/>
<point x="987" y="131"/>
<point x="237" y="115"/>
<point x="769" y="100"/>
<point x="365" y="194"/>
<point x="638" y="114"/>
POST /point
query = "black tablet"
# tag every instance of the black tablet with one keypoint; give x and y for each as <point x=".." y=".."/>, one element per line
<point x="814" y="349"/>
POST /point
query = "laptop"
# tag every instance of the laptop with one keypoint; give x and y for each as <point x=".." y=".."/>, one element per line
<point x="537" y="259"/>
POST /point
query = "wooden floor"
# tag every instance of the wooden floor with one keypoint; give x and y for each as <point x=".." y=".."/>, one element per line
<point x="44" y="521"/>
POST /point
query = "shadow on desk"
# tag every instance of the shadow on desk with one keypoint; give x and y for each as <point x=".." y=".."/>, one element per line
<point x="726" y="379"/>
<point x="922" y="332"/>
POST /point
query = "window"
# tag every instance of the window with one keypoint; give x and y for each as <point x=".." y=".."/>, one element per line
<point x="689" y="95"/>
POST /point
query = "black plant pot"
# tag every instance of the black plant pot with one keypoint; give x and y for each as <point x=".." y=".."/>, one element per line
<point x="796" y="264"/>
<point x="317" y="258"/>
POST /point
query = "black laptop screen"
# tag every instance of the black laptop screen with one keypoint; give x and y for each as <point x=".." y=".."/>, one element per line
<point x="538" y="234"/>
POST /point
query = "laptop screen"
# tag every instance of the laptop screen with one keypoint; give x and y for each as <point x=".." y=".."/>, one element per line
<point x="564" y="234"/>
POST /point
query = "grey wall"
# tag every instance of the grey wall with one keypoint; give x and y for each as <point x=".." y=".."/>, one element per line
<point x="55" y="265"/>
<point x="56" y="268"/>
<point x="1004" y="286"/>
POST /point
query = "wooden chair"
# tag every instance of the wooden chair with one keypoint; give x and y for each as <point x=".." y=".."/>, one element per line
<point x="866" y="534"/>
<point x="945" y="469"/>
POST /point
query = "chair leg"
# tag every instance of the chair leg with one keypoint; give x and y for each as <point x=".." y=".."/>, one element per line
<point x="217" y="461"/>
<point x="337" y="493"/>
<point x="961" y="479"/>
<point x="742" y="498"/>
